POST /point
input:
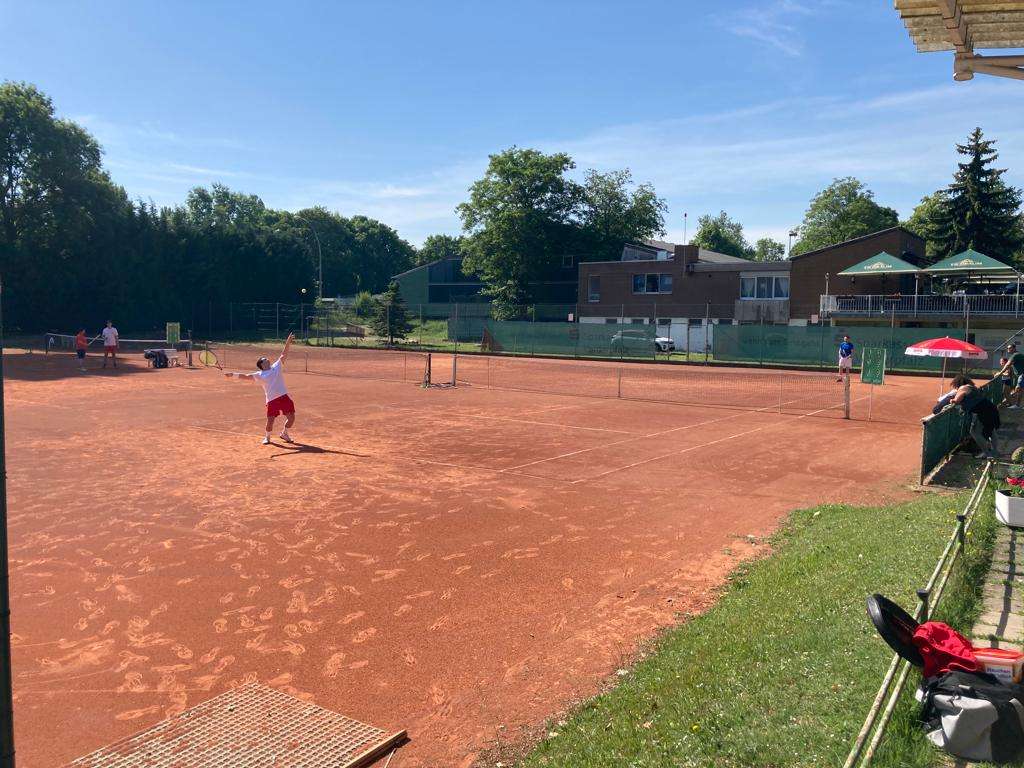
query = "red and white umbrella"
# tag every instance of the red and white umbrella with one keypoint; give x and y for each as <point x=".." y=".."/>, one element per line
<point x="946" y="347"/>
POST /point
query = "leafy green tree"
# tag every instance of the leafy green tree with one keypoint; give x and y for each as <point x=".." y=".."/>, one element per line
<point x="978" y="210"/>
<point x="437" y="247"/>
<point x="519" y="221"/>
<point x="525" y="214"/>
<point x="612" y="215"/>
<point x="922" y="224"/>
<point x="390" y="318"/>
<point x="845" y="209"/>
<point x="767" y="249"/>
<point x="723" y="235"/>
<point x="364" y="305"/>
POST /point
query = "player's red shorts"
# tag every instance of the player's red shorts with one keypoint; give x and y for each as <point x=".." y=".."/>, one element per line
<point x="280" y="406"/>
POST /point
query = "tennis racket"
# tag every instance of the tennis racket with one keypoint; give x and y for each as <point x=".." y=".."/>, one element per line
<point x="207" y="358"/>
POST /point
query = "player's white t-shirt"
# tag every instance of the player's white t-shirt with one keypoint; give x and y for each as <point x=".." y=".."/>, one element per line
<point x="272" y="380"/>
<point x="110" y="337"/>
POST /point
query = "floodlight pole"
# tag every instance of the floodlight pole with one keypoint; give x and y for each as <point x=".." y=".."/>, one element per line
<point x="6" y="678"/>
<point x="320" y="258"/>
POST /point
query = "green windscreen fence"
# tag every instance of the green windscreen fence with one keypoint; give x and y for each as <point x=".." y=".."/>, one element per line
<point x="817" y="345"/>
<point x="612" y="340"/>
<point x="944" y="433"/>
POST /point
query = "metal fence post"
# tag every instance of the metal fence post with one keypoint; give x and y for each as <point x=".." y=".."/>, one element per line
<point x="922" y="595"/>
<point x="707" y="331"/>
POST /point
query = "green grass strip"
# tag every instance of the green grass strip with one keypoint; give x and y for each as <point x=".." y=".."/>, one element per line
<point x="782" y="670"/>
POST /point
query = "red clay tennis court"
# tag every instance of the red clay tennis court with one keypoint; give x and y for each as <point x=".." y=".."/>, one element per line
<point x="460" y="562"/>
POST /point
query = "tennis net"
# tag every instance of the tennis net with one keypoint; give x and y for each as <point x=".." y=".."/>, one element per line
<point x="65" y="342"/>
<point x="781" y="392"/>
<point x="380" y="364"/>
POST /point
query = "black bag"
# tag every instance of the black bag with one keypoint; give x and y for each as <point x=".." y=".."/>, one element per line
<point x="974" y="716"/>
<point x="160" y="359"/>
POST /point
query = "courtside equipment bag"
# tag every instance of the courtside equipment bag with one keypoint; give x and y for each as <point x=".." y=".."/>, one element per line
<point x="974" y="716"/>
<point x="943" y="649"/>
<point x="158" y="357"/>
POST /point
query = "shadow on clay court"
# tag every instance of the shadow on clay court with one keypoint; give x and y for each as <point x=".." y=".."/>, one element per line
<point x="294" y="449"/>
<point x="35" y="366"/>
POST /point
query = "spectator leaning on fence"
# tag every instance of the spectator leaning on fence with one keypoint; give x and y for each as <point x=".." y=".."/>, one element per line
<point x="986" y="415"/>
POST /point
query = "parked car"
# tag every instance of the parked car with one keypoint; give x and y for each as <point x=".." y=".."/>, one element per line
<point x="625" y="342"/>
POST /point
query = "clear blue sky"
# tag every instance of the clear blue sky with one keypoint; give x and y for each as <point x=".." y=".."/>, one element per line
<point x="389" y="108"/>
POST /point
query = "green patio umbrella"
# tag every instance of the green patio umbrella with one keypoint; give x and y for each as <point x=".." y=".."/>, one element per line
<point x="884" y="264"/>
<point x="969" y="262"/>
<point x="881" y="264"/>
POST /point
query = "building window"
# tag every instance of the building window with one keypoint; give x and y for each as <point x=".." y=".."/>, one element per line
<point x="611" y="321"/>
<point x="664" y="321"/>
<point x="594" y="288"/>
<point x="638" y="320"/>
<point x="781" y="287"/>
<point x="764" y="287"/>
<point x="652" y="283"/>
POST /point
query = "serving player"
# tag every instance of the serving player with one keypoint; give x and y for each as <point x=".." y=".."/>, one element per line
<point x="271" y="376"/>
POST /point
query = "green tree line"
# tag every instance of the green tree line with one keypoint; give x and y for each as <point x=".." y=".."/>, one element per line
<point x="75" y="250"/>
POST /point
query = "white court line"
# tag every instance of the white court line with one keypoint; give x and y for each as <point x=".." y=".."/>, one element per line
<point x="524" y="421"/>
<point x="766" y="409"/>
<point x="703" y="445"/>
<point x="628" y="440"/>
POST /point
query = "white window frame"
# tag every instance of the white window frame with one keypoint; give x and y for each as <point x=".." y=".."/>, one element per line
<point x="646" y="279"/>
<point x="765" y="286"/>
<point x="593" y="296"/>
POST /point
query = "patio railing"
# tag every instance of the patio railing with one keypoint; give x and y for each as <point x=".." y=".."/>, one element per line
<point x="910" y="305"/>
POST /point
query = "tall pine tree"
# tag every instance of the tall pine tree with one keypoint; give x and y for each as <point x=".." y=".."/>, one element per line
<point x="978" y="210"/>
<point x="390" y="318"/>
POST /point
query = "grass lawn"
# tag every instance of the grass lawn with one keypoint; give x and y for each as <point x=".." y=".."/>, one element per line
<point x="781" y="672"/>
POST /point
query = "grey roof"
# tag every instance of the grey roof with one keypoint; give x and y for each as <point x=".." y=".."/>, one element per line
<point x="714" y="257"/>
<point x="743" y="265"/>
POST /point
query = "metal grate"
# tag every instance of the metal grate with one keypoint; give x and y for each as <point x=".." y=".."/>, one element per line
<point x="249" y="727"/>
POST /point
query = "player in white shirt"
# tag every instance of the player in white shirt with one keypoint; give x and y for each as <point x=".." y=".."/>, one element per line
<point x="271" y="376"/>
<point x="110" y="339"/>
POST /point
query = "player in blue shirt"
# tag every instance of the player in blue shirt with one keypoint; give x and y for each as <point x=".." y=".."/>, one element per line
<point x="845" y="358"/>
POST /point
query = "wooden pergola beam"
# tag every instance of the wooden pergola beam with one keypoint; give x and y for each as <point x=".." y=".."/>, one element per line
<point x="964" y="27"/>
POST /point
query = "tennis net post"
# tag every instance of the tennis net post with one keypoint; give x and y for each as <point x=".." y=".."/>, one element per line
<point x="846" y="397"/>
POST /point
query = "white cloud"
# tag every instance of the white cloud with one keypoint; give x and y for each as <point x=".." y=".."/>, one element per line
<point x="772" y="23"/>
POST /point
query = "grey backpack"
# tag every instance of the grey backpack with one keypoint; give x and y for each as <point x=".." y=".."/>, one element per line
<point x="975" y="716"/>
